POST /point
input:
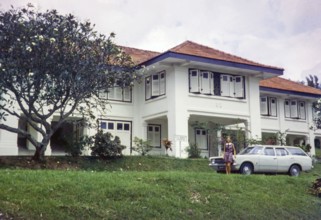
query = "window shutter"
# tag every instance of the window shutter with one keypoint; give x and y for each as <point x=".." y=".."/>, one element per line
<point x="294" y="109"/>
<point x="231" y="86"/>
<point x="102" y="94"/>
<point x="111" y="93"/>
<point x="118" y="93"/>
<point x="205" y="83"/>
<point x="238" y="87"/>
<point x="264" y="105"/>
<point x="127" y="94"/>
<point x="157" y="136"/>
<point x="225" y="85"/>
<point x="148" y="88"/>
<point x="301" y="110"/>
<point x="162" y="84"/>
<point x="155" y="85"/>
<point x="150" y="134"/>
<point x="212" y="83"/>
<point x="287" y="110"/>
<point x="273" y="107"/>
<point x="194" y="81"/>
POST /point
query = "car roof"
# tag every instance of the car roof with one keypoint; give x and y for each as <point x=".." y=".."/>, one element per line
<point x="275" y="146"/>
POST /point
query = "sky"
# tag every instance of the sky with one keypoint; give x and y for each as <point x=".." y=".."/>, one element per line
<point x="281" y="33"/>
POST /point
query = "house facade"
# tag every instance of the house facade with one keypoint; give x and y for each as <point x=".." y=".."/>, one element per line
<point x="194" y="94"/>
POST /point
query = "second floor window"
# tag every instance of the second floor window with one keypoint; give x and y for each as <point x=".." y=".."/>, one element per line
<point x="155" y="85"/>
<point x="268" y="106"/>
<point x="117" y="93"/>
<point x="294" y="109"/>
<point x="209" y="83"/>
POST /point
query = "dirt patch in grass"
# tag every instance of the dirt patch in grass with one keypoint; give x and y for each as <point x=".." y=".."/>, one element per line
<point x="55" y="163"/>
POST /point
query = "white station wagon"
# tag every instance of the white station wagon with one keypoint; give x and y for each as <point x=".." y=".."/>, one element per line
<point x="267" y="159"/>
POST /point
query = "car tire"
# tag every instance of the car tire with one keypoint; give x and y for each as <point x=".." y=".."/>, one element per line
<point x="247" y="169"/>
<point x="294" y="170"/>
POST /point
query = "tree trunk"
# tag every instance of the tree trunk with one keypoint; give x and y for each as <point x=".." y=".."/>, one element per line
<point x="39" y="155"/>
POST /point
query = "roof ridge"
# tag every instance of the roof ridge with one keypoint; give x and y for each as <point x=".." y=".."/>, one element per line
<point x="226" y="54"/>
<point x="139" y="49"/>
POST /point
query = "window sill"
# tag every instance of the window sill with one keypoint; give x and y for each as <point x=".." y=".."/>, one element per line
<point x="156" y="99"/>
<point x="119" y="102"/>
<point x="269" y="117"/>
<point x="295" y="119"/>
<point x="216" y="97"/>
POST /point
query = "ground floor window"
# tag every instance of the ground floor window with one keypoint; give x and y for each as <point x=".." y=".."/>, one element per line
<point x="154" y="135"/>
<point x="201" y="139"/>
<point x="119" y="128"/>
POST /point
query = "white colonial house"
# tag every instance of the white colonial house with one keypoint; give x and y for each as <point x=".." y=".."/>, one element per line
<point x="190" y="86"/>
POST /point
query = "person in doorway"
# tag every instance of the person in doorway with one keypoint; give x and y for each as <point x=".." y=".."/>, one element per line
<point x="229" y="154"/>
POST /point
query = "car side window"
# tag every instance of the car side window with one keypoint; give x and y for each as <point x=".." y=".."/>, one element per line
<point x="269" y="151"/>
<point x="281" y="152"/>
<point x="297" y="151"/>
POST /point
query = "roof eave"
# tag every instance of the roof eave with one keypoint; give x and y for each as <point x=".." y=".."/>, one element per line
<point x="288" y="92"/>
<point x="170" y="54"/>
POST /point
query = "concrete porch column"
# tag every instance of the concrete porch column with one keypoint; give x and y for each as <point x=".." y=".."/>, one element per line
<point x="178" y="134"/>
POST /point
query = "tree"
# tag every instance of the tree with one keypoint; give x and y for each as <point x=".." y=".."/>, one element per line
<point x="313" y="81"/>
<point x="317" y="114"/>
<point x="54" y="65"/>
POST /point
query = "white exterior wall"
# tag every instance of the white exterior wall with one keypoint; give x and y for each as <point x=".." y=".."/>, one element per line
<point x="177" y="110"/>
<point x="299" y="127"/>
<point x="174" y="110"/>
<point x="254" y="108"/>
<point x="8" y="140"/>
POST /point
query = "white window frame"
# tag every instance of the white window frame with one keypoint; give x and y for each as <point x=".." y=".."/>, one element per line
<point x="301" y="109"/>
<point x="230" y="85"/>
<point x="194" y="82"/>
<point x="153" y="136"/>
<point x="296" y="109"/>
<point x="201" y="138"/>
<point x="264" y="105"/>
<point x="117" y="93"/>
<point x="155" y="85"/>
<point x="267" y="107"/>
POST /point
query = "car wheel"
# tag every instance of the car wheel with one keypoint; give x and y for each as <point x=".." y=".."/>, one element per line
<point x="294" y="170"/>
<point x="247" y="169"/>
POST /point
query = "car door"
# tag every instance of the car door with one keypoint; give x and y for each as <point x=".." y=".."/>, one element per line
<point x="284" y="160"/>
<point x="268" y="160"/>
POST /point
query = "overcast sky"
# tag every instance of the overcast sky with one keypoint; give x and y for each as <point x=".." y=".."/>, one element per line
<point x="282" y="33"/>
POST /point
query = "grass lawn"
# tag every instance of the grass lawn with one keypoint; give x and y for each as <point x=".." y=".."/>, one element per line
<point x="154" y="188"/>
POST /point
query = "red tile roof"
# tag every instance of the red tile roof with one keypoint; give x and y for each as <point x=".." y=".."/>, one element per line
<point x="288" y="85"/>
<point x="139" y="56"/>
<point x="194" y="49"/>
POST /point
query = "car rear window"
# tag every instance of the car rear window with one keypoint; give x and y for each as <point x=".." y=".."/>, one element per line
<point x="297" y="151"/>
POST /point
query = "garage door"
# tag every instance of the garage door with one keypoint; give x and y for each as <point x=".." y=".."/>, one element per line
<point x="122" y="129"/>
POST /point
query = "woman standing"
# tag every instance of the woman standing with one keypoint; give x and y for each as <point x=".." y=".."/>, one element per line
<point x="229" y="154"/>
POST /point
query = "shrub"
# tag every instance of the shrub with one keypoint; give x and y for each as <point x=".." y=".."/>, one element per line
<point x="105" y="147"/>
<point x="193" y="151"/>
<point x="142" y="147"/>
<point x="76" y="147"/>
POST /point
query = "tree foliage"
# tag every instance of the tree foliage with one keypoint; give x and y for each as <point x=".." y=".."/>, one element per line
<point x="313" y="81"/>
<point x="53" y="65"/>
<point x="317" y="114"/>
